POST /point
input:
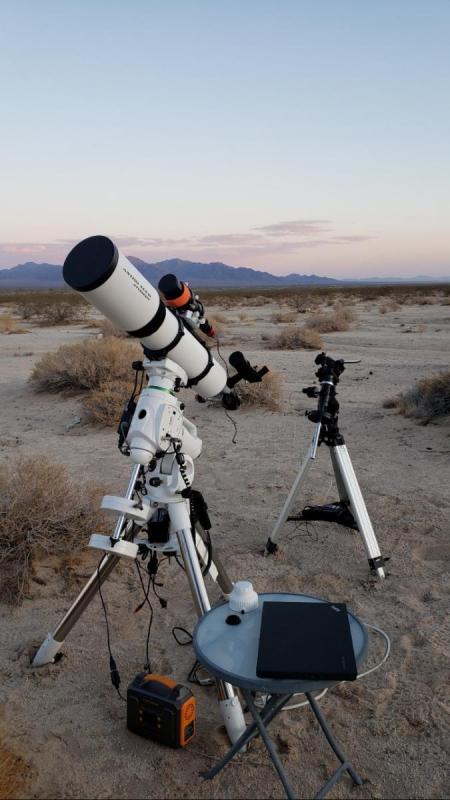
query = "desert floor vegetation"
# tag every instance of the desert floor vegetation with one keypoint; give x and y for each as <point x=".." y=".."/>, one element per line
<point x="301" y="298"/>
<point x="52" y="307"/>
<point x="402" y="468"/>
<point x="266" y="395"/>
<point x="98" y="369"/>
<point x="283" y="317"/>
<point x="85" y="365"/>
<point x="9" y="324"/>
<point x="43" y="513"/>
<point x="295" y="337"/>
<point x="427" y="400"/>
<point x="389" y="306"/>
<point x="338" y="318"/>
<point x="13" y="771"/>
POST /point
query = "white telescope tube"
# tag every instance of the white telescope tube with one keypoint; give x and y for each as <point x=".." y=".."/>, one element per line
<point x="105" y="277"/>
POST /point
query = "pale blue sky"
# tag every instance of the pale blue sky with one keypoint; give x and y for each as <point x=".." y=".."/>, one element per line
<point x="290" y="135"/>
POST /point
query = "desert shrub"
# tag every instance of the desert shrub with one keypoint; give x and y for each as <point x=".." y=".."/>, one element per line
<point x="303" y="303"/>
<point x="266" y="394"/>
<point x="59" y="313"/>
<point x="104" y="405"/>
<point x="295" y="338"/>
<point x="283" y="316"/>
<point x="85" y="365"/>
<point x="220" y="318"/>
<point x="43" y="511"/>
<point x="339" y="318"/>
<point x="14" y="772"/>
<point x="8" y="324"/>
<point x="427" y="400"/>
<point x="51" y="307"/>
<point x="389" y="305"/>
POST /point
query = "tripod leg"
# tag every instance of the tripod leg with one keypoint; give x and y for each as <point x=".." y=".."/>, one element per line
<point x="271" y="545"/>
<point x="54" y="641"/>
<point x="343" y="496"/>
<point x="230" y="706"/>
<point x="217" y="571"/>
<point x="347" y="479"/>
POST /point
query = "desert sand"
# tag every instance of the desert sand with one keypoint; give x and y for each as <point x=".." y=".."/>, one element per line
<point x="65" y="724"/>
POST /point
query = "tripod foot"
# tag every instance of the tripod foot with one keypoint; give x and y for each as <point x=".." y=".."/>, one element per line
<point x="377" y="565"/>
<point x="47" y="652"/>
<point x="271" y="547"/>
<point x="233" y="718"/>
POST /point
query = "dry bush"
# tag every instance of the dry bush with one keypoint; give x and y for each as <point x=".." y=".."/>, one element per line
<point x="389" y="305"/>
<point x="302" y="303"/>
<point x="266" y="394"/>
<point x="104" y="405"/>
<point x="43" y="512"/>
<point x="220" y="318"/>
<point x="85" y="365"/>
<point x="283" y="316"/>
<point x="339" y="318"/>
<point x="427" y="400"/>
<point x="294" y="338"/>
<point x="51" y="307"/>
<point x="8" y="324"/>
<point x="14" y="772"/>
<point x="257" y="300"/>
<point x="60" y="313"/>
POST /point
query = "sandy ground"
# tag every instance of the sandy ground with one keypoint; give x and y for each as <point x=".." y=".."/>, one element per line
<point x="65" y="724"/>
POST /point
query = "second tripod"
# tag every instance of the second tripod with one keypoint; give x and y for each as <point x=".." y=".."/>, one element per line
<point x="350" y="510"/>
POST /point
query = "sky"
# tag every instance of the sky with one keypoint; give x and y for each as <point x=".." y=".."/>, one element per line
<point x="285" y="135"/>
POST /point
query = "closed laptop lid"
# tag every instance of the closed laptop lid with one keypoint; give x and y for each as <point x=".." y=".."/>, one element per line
<point x="311" y="641"/>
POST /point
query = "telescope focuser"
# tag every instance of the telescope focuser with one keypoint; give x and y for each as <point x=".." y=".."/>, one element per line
<point x="178" y="296"/>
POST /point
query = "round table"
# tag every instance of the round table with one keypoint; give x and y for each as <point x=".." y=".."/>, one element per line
<point x="230" y="652"/>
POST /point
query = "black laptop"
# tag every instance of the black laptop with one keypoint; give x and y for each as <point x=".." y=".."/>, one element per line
<point x="305" y="640"/>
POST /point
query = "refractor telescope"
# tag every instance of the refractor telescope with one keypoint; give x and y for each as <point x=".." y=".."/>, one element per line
<point x="105" y="277"/>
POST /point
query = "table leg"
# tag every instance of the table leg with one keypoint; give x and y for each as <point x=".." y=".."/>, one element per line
<point x="268" y="742"/>
<point x="345" y="764"/>
<point x="270" y="710"/>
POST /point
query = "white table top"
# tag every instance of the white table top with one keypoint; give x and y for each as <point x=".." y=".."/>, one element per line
<point x="230" y="652"/>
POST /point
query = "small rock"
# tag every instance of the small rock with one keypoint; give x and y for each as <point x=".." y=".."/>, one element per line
<point x="76" y="421"/>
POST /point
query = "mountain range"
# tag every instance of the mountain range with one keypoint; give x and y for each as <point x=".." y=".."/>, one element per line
<point x="45" y="276"/>
<point x="216" y="274"/>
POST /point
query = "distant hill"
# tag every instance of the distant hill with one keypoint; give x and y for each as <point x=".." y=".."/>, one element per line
<point x="32" y="276"/>
<point x="215" y="274"/>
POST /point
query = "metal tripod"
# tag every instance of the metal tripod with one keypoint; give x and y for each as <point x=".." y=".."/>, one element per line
<point x="163" y="484"/>
<point x="351" y="509"/>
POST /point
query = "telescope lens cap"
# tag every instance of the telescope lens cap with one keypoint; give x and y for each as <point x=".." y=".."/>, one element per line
<point x="90" y="263"/>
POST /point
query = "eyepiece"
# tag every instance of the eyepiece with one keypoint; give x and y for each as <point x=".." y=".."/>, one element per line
<point x="176" y="293"/>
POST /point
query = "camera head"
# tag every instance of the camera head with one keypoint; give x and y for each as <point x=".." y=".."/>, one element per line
<point x="329" y="368"/>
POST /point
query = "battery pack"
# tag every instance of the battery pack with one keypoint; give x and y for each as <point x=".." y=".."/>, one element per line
<point x="160" y="709"/>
